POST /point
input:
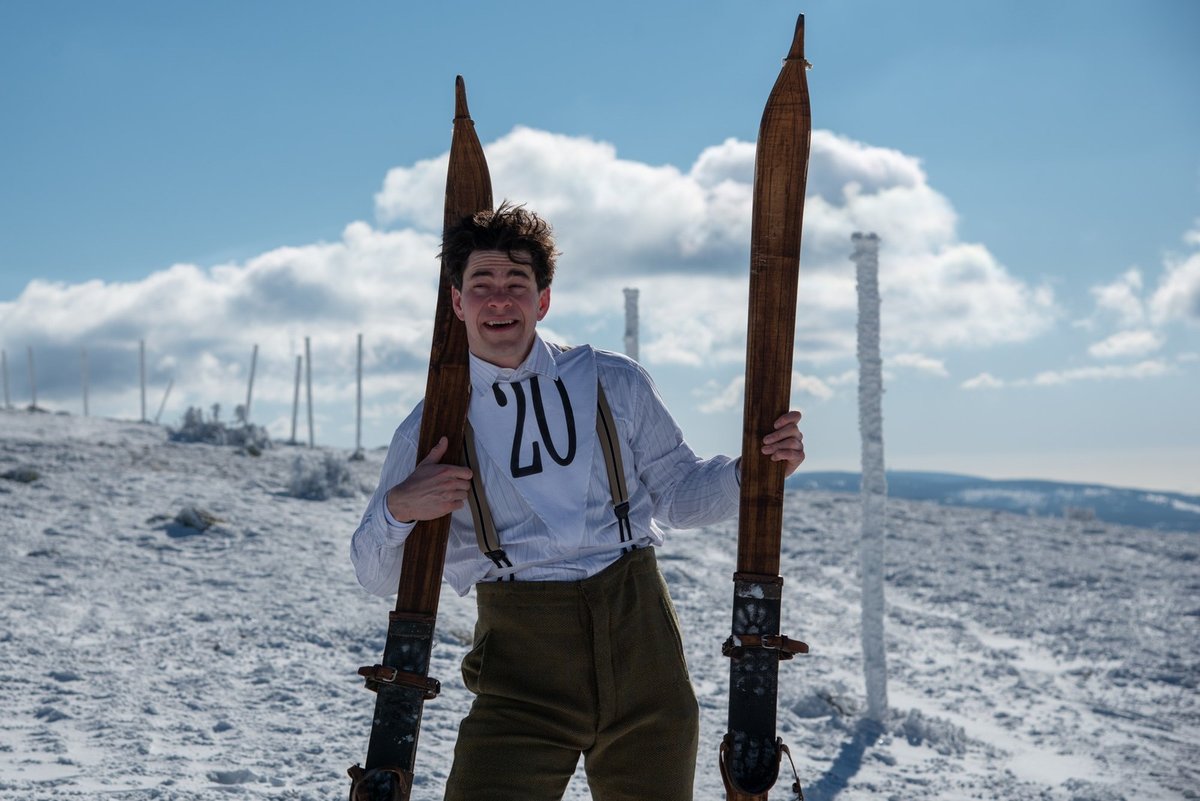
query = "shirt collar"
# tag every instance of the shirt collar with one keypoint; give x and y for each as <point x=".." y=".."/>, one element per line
<point x="540" y="361"/>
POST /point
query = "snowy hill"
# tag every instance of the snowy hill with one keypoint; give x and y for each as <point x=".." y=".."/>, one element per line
<point x="176" y="624"/>
<point x="1170" y="511"/>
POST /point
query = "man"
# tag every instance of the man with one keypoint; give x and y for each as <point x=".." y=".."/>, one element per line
<point x="577" y="649"/>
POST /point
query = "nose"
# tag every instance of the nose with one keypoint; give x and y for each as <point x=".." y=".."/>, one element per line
<point x="499" y="298"/>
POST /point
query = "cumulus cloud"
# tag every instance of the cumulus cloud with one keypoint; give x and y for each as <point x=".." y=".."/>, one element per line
<point x="921" y="363"/>
<point x="1138" y="342"/>
<point x="681" y="235"/>
<point x="1192" y="237"/>
<point x="715" y="397"/>
<point x="1141" y="370"/>
<point x="1178" y="294"/>
<point x="983" y="381"/>
<point x="199" y="324"/>
<point x="1122" y="298"/>
<point x="616" y="218"/>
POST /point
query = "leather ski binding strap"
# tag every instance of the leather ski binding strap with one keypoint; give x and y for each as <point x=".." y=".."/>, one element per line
<point x="380" y="784"/>
<point x="786" y="648"/>
<point x="377" y="675"/>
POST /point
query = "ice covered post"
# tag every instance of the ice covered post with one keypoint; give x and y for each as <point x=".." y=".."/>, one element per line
<point x="250" y="385"/>
<point x="142" y="374"/>
<point x="874" y="482"/>
<point x="4" y="368"/>
<point x="32" y="379"/>
<point x="83" y="365"/>
<point x="358" y="451"/>
<point x="631" y="323"/>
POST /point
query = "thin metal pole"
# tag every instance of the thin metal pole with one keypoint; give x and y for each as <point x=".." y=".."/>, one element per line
<point x="32" y="379"/>
<point x="4" y="364"/>
<point x="250" y="387"/>
<point x="358" y="427"/>
<point x="308" y="381"/>
<point x="84" y="368"/>
<point x="142" y="373"/>
<point x="162" y="405"/>
<point x="295" y="402"/>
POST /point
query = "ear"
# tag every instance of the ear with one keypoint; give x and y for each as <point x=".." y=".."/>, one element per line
<point x="543" y="303"/>
<point x="456" y="303"/>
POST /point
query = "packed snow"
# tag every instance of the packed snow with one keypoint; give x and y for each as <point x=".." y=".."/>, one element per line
<point x="179" y="620"/>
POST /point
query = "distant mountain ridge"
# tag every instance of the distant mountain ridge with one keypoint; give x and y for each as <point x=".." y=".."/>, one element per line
<point x="1168" y="511"/>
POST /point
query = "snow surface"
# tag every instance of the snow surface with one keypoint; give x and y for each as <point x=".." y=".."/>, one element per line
<point x="145" y="658"/>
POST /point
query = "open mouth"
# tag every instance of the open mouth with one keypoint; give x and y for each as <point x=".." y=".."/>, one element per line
<point x="499" y="324"/>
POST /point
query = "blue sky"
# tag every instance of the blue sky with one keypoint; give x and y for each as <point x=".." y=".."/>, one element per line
<point x="208" y="176"/>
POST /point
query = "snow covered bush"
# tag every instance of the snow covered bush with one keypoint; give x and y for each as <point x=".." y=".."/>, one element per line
<point x="196" y="428"/>
<point x="320" y="479"/>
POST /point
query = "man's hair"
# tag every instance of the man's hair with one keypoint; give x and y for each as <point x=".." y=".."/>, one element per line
<point x="509" y="228"/>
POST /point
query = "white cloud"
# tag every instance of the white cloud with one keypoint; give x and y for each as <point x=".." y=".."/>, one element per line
<point x="810" y="386"/>
<point x="842" y="379"/>
<point x="680" y="235"/>
<point x="684" y="235"/>
<point x="716" y="397"/>
<point x="1141" y="370"/>
<point x="1138" y="342"/>
<point x="1177" y="296"/>
<point x="921" y="363"/>
<point x="721" y="397"/>
<point x="1192" y="237"/>
<point x="199" y="324"/>
<point x="1122" y="298"/>
<point x="983" y="381"/>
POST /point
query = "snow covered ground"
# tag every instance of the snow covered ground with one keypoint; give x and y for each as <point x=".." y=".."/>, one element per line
<point x="143" y="658"/>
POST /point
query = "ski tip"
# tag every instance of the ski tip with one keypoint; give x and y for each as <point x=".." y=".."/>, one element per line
<point x="797" y="51"/>
<point x="460" y="99"/>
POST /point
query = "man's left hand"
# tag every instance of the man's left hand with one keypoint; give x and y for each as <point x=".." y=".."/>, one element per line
<point x="786" y="443"/>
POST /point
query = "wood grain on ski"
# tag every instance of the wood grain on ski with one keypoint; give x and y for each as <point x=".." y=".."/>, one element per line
<point x="402" y="682"/>
<point x="750" y="753"/>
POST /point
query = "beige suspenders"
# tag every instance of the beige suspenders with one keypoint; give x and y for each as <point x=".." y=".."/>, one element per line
<point x="610" y="445"/>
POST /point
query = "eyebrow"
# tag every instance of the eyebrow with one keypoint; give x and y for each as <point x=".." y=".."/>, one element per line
<point x="491" y="272"/>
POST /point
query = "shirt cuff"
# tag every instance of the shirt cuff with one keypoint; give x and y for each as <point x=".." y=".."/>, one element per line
<point x="397" y="530"/>
<point x="731" y="481"/>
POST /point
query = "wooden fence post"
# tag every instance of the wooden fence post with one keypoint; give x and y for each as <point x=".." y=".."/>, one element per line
<point x="4" y="366"/>
<point x="250" y="386"/>
<point x="162" y="405"/>
<point x="295" y="402"/>
<point x="32" y="379"/>
<point x="142" y="373"/>
<point x="84" y="368"/>
<point x="308" y="381"/>
<point x="358" y="451"/>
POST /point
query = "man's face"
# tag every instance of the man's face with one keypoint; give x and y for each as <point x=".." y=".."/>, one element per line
<point x="501" y="306"/>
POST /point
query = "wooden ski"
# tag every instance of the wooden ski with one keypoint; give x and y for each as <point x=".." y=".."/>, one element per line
<point x="751" y="752"/>
<point x="402" y="683"/>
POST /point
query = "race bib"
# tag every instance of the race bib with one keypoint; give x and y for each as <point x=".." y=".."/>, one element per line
<point x="540" y="433"/>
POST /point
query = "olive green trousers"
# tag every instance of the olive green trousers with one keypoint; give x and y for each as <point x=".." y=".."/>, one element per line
<point x="562" y="669"/>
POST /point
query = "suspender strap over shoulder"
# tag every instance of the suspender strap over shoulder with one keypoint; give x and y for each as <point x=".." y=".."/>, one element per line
<point x="481" y="512"/>
<point x="610" y="444"/>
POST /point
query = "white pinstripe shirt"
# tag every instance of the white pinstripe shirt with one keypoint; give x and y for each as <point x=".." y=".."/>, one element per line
<point x="666" y="481"/>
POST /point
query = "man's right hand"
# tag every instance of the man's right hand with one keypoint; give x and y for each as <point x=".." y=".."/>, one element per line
<point x="432" y="490"/>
